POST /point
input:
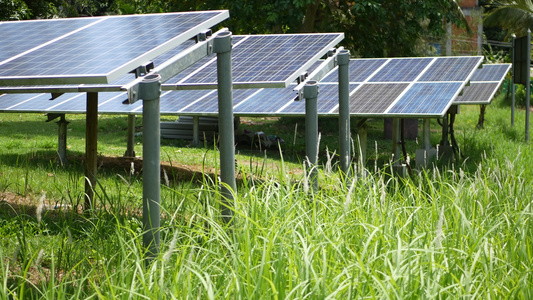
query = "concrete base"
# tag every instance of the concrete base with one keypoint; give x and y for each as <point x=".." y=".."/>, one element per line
<point x="425" y="158"/>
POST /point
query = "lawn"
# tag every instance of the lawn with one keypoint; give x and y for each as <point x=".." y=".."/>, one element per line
<point x="454" y="231"/>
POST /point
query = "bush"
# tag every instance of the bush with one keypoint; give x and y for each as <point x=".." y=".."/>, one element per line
<point x="520" y="93"/>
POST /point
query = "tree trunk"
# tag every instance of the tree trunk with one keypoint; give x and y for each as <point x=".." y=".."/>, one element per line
<point x="308" y="24"/>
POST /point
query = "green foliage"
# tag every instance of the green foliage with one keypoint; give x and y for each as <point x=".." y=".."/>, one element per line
<point x="516" y="16"/>
<point x="13" y="10"/>
<point x="392" y="28"/>
<point x="372" y="28"/>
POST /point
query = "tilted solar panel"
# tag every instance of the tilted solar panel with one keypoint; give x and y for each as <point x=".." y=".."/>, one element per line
<point x="426" y="99"/>
<point x="103" y="50"/>
<point x="259" y="60"/>
<point x="401" y="70"/>
<point x="484" y="84"/>
<point x="451" y="68"/>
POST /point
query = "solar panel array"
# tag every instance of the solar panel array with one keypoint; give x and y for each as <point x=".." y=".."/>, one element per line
<point x="484" y="84"/>
<point x="372" y="93"/>
<point x="92" y="50"/>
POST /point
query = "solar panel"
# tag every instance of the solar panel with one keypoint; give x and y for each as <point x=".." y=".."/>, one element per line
<point x="101" y="51"/>
<point x="401" y="70"/>
<point x="426" y="99"/>
<point x="484" y="84"/>
<point x="451" y="69"/>
<point x="374" y="99"/>
<point x="360" y="70"/>
<point x="264" y="60"/>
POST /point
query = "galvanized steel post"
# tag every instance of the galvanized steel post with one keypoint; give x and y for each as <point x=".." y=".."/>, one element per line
<point x="512" y="85"/>
<point x="528" y="84"/>
<point x="222" y="47"/>
<point x="150" y="92"/>
<point x="343" y="61"/>
<point x="311" y="129"/>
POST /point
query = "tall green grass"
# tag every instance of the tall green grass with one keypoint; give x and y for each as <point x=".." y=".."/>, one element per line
<point x="459" y="232"/>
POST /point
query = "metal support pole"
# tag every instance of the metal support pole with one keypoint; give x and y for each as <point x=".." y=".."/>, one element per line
<point x="512" y="85"/>
<point x="130" y="144"/>
<point x="396" y="142"/>
<point x="62" y="141"/>
<point x="222" y="47"/>
<point x="311" y="129"/>
<point x="91" y="148"/>
<point x="195" y="130"/>
<point x="150" y="92"/>
<point x="528" y="82"/>
<point x="343" y="61"/>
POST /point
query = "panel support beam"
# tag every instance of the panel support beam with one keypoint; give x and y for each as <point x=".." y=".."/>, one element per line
<point x="175" y="65"/>
<point x="222" y="47"/>
<point x="343" y="59"/>
<point x="91" y="148"/>
<point x="310" y="93"/>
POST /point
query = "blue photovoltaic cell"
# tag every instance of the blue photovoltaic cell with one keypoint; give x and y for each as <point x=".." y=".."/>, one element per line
<point x="209" y="104"/>
<point x="478" y="93"/>
<point x="267" y="101"/>
<point x="175" y="101"/>
<point x="360" y="70"/>
<point x="374" y="99"/>
<point x="201" y="63"/>
<point x="107" y="46"/>
<point x="495" y="72"/>
<point x="484" y="84"/>
<point x="20" y="36"/>
<point x="111" y="103"/>
<point x="401" y="70"/>
<point x="426" y="99"/>
<point x="328" y="99"/>
<point x="451" y="68"/>
<point x="269" y="58"/>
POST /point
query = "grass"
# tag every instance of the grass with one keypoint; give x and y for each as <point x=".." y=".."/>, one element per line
<point x="463" y="231"/>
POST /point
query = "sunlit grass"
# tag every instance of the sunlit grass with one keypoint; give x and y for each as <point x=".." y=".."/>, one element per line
<point x="459" y="232"/>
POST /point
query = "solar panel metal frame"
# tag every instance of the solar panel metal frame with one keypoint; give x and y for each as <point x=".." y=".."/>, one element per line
<point x="121" y="69"/>
<point x="468" y="99"/>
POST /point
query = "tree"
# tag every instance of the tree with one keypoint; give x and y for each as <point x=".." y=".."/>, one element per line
<point x="13" y="10"/>
<point x="373" y="28"/>
<point x="516" y="16"/>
